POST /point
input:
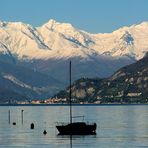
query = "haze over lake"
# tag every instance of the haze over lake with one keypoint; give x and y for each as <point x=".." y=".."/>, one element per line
<point x="118" y="126"/>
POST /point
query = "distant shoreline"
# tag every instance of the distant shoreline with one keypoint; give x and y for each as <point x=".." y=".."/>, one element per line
<point x="72" y="104"/>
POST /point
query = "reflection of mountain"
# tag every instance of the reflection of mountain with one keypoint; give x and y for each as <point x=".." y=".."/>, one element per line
<point x="127" y="85"/>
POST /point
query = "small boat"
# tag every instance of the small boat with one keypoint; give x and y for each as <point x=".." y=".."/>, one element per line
<point x="75" y="128"/>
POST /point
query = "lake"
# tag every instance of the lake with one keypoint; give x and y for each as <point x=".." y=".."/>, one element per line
<point x="118" y="126"/>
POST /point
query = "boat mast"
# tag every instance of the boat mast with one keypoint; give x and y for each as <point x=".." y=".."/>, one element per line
<point x="70" y="92"/>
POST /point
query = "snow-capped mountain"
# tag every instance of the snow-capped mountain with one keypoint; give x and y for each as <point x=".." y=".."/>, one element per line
<point x="62" y="40"/>
<point x="46" y="49"/>
<point x="130" y="41"/>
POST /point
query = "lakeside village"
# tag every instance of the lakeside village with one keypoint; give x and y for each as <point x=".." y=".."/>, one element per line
<point x="56" y="100"/>
<point x="52" y="101"/>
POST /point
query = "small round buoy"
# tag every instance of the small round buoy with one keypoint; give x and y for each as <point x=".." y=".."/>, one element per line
<point x="45" y="132"/>
<point x="32" y="126"/>
<point x="14" y="123"/>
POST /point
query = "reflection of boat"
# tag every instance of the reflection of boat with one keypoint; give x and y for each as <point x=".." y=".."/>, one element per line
<point x="75" y="128"/>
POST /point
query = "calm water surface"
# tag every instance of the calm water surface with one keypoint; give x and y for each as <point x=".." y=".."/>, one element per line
<point x="118" y="127"/>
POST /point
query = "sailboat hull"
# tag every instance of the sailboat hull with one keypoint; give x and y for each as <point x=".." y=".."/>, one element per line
<point x="77" y="128"/>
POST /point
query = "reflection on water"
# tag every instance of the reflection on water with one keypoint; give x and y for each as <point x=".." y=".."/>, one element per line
<point x="117" y="126"/>
<point x="74" y="138"/>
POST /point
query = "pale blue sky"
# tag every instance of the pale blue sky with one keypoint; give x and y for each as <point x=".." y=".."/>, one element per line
<point x="89" y="15"/>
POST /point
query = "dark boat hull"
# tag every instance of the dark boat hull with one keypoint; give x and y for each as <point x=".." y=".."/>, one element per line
<point x="78" y="128"/>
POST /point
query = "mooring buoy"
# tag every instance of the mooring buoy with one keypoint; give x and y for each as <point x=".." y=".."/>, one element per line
<point x="32" y="126"/>
<point x="44" y="132"/>
<point x="14" y="123"/>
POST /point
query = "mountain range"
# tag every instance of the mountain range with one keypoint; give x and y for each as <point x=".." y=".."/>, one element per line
<point x="42" y="53"/>
<point x="18" y="83"/>
<point x="128" y="85"/>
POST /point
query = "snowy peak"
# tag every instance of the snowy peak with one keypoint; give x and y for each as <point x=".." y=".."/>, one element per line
<point x="57" y="26"/>
<point x="66" y="30"/>
<point x="15" y="25"/>
<point x="22" y="40"/>
<point x="127" y="38"/>
<point x="62" y="40"/>
<point x="129" y="41"/>
<point x="65" y="37"/>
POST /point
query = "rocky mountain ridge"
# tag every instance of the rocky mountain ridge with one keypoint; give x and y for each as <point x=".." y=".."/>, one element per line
<point x="128" y="85"/>
<point x="18" y="83"/>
